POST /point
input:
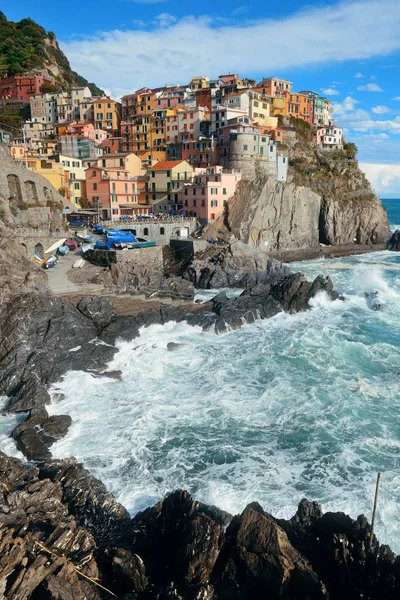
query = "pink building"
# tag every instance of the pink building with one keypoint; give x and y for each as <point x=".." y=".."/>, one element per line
<point x="170" y="97"/>
<point x="112" y="191"/>
<point x="186" y="124"/>
<point x="330" y="137"/>
<point x="208" y="194"/>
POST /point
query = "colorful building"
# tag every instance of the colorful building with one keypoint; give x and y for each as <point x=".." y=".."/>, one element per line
<point x="274" y="86"/>
<point x="112" y="191"/>
<point x="143" y="128"/>
<point x="75" y="180"/>
<point x="207" y="195"/>
<point x="23" y="87"/>
<point x="330" y="137"/>
<point x="167" y="178"/>
<point x="53" y="171"/>
<point x="106" y="114"/>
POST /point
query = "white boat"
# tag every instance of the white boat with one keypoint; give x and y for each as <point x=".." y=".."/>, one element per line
<point x="55" y="246"/>
<point x="87" y="247"/>
<point x="78" y="264"/>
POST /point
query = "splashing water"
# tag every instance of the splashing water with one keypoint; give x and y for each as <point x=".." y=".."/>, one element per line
<point x="294" y="406"/>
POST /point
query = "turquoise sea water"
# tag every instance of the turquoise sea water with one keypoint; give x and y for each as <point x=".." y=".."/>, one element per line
<point x="302" y="405"/>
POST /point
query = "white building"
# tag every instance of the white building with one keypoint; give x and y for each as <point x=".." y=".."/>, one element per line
<point x="330" y="137"/>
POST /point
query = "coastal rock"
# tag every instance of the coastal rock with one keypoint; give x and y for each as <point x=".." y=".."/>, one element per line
<point x="34" y="329"/>
<point x="258" y="561"/>
<point x="99" y="309"/>
<point x="35" y="435"/>
<point x="58" y="522"/>
<point x="171" y="346"/>
<point x="394" y="242"/>
<point x="234" y="265"/>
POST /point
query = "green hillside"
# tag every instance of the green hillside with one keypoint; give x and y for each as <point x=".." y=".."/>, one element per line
<point x="25" y="45"/>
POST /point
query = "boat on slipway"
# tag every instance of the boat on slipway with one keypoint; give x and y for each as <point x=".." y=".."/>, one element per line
<point x="63" y="250"/>
<point x="54" y="247"/>
<point x="51" y="261"/>
<point x="84" y="237"/>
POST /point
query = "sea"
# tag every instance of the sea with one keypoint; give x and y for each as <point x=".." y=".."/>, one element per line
<point x="296" y="406"/>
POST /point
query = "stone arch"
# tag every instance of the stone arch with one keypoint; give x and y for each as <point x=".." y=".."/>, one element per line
<point x="14" y="187"/>
<point x="146" y="231"/>
<point x="31" y="192"/>
<point x="24" y="248"/>
<point x="39" y="249"/>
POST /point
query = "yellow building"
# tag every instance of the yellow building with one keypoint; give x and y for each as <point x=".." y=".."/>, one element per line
<point x="128" y="161"/>
<point x="106" y="114"/>
<point x="167" y="178"/>
<point x="278" y="106"/>
<point x="54" y="172"/>
<point x="199" y="82"/>
<point x="143" y="130"/>
<point x="260" y="110"/>
<point x="75" y="180"/>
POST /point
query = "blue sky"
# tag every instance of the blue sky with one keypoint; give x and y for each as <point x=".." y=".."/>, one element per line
<point x="349" y="50"/>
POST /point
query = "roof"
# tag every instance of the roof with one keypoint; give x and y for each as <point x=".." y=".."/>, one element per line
<point x="116" y="154"/>
<point x="166" y="165"/>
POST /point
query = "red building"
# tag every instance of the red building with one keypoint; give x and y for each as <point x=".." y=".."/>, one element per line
<point x="22" y="87"/>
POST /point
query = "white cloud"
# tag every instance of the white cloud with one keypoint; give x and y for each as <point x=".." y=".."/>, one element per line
<point x="397" y="98"/>
<point x="348" y="105"/>
<point x="358" y="75"/>
<point x="240" y="10"/>
<point x="370" y="87"/>
<point x="357" y="30"/>
<point x="385" y="179"/>
<point x="381" y="109"/>
<point x="331" y="92"/>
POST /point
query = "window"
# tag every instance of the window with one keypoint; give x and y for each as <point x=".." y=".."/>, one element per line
<point x="214" y="203"/>
<point x="271" y="148"/>
<point x="194" y="191"/>
<point x="162" y="231"/>
<point x="153" y="196"/>
<point x="214" y="191"/>
<point x="224" y="191"/>
<point x="153" y="173"/>
<point x="245" y="147"/>
<point x="145" y="231"/>
<point x="168" y="173"/>
<point x="95" y="186"/>
<point x="76" y="185"/>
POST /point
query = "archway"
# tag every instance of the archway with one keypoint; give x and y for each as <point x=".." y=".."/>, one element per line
<point x="39" y="250"/>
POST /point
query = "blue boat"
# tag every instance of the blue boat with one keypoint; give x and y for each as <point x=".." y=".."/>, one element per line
<point x="51" y="262"/>
<point x="116" y="238"/>
<point x="63" y="250"/>
<point x="98" y="228"/>
<point x="135" y="244"/>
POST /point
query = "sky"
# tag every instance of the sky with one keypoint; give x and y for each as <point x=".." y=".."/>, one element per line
<point x="348" y="51"/>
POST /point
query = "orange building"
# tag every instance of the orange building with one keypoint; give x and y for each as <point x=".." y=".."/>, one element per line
<point x="299" y="106"/>
<point x="273" y="86"/>
<point x="143" y="127"/>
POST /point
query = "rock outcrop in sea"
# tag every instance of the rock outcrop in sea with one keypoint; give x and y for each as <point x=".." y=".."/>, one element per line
<point x="394" y="242"/>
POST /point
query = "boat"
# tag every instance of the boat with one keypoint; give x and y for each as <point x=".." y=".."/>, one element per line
<point x="51" y="262"/>
<point x="55" y="246"/>
<point x="63" y="250"/>
<point x="98" y="228"/>
<point x="124" y="245"/>
<point x="115" y="239"/>
<point x="78" y="264"/>
<point x="85" y="237"/>
<point x="72" y="244"/>
<point x="87" y="247"/>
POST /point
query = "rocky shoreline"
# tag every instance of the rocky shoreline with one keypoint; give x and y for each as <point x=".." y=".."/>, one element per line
<point x="64" y="537"/>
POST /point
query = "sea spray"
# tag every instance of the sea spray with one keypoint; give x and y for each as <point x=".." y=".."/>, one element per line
<point x="297" y="405"/>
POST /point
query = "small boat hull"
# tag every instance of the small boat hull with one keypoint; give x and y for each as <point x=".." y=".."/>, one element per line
<point x="78" y="264"/>
<point x="55" y="246"/>
<point x="63" y="250"/>
<point x="85" y="237"/>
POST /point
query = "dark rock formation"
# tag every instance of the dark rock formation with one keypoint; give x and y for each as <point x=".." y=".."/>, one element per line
<point x="394" y="242"/>
<point x="61" y="532"/>
<point x="235" y="265"/>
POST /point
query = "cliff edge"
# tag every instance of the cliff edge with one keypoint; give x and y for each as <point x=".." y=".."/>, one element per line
<point x="326" y="200"/>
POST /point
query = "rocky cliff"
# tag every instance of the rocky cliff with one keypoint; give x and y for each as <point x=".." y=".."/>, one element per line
<point x="64" y="537"/>
<point x="326" y="200"/>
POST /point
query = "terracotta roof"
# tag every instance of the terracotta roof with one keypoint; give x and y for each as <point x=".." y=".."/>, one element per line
<point x="166" y="164"/>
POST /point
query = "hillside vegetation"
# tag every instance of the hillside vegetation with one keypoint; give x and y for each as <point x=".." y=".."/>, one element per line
<point x="25" y="45"/>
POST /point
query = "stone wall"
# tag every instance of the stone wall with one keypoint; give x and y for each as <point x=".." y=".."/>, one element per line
<point x="30" y="206"/>
<point x="158" y="231"/>
<point x="151" y="258"/>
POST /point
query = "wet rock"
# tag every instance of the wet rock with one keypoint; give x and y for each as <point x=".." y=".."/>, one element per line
<point x="128" y="572"/>
<point x="394" y="242"/>
<point x="173" y="346"/>
<point x="235" y="265"/>
<point x="117" y="375"/>
<point x="99" y="309"/>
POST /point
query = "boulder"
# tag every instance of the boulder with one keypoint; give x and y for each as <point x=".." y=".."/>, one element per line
<point x="99" y="309"/>
<point x="394" y="242"/>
